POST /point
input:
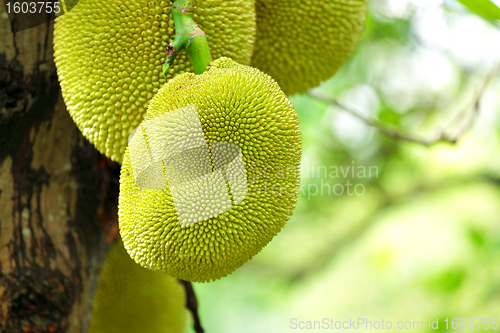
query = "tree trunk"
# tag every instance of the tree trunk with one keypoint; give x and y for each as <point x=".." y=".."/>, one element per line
<point x="58" y="195"/>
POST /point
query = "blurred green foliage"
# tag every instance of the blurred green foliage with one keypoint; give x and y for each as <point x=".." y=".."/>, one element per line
<point x="483" y="8"/>
<point x="423" y="239"/>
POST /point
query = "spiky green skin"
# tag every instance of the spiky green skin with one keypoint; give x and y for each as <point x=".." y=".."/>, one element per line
<point x="301" y="43"/>
<point x="109" y="56"/>
<point x="237" y="104"/>
<point x="132" y="299"/>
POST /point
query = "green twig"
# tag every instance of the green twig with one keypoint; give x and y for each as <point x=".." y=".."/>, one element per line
<point x="188" y="37"/>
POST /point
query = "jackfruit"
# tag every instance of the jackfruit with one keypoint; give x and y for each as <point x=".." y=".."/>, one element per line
<point x="303" y="42"/>
<point x="132" y="299"/>
<point x="212" y="173"/>
<point x="109" y="55"/>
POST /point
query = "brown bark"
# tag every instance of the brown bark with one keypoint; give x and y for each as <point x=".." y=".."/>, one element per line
<point x="58" y="195"/>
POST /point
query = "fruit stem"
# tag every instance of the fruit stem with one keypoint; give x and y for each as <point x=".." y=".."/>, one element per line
<point x="192" y="305"/>
<point x="188" y="37"/>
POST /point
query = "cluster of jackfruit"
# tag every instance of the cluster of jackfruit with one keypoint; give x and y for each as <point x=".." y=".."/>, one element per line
<point x="250" y="134"/>
<point x="132" y="299"/>
<point x="109" y="53"/>
<point x="211" y="162"/>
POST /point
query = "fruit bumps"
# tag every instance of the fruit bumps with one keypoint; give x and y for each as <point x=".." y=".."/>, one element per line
<point x="132" y="299"/>
<point x="301" y="43"/>
<point x="109" y="56"/>
<point x="248" y="160"/>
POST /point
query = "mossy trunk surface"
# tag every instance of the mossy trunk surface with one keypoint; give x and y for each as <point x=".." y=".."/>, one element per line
<point x="58" y="195"/>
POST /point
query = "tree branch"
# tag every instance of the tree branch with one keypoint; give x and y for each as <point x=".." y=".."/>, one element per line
<point x="192" y="305"/>
<point x="441" y="135"/>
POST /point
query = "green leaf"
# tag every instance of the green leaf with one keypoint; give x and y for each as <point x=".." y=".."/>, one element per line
<point x="483" y="8"/>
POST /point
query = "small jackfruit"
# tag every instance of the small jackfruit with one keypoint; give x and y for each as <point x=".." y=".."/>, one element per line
<point x="132" y="299"/>
<point x="301" y="43"/>
<point x="109" y="55"/>
<point x="212" y="173"/>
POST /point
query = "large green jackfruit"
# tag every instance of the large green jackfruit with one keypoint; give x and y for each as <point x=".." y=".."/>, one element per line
<point x="225" y="182"/>
<point x="303" y="42"/>
<point x="109" y="56"/>
<point x="132" y="299"/>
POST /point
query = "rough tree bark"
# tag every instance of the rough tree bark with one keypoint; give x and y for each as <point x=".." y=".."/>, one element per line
<point x="58" y="195"/>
